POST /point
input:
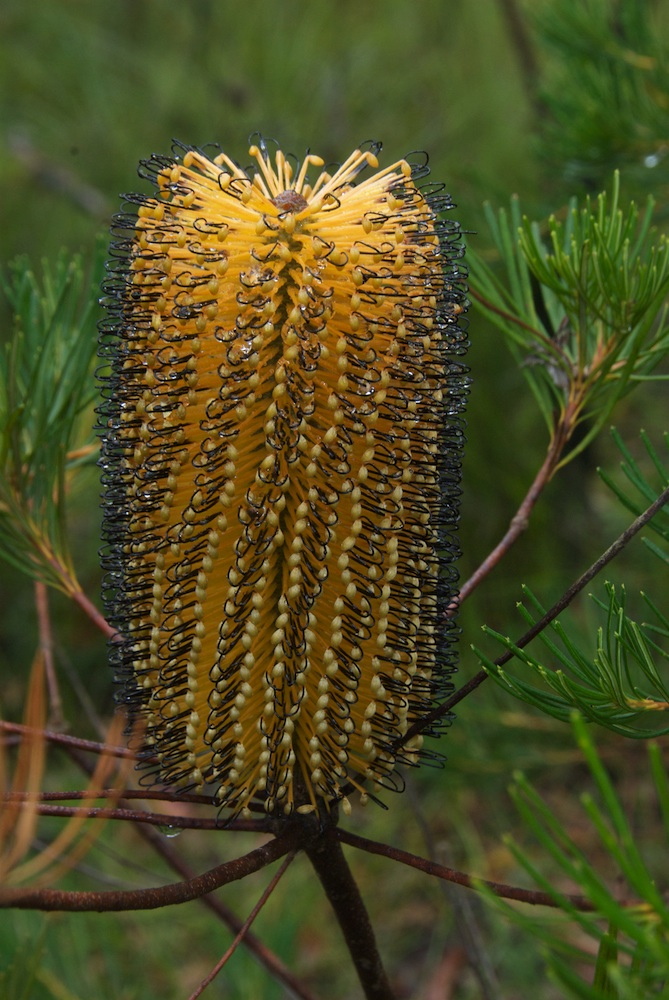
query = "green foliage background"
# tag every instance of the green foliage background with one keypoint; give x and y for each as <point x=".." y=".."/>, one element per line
<point x="89" y="88"/>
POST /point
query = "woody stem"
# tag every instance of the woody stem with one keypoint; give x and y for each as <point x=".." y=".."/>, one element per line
<point x="327" y="857"/>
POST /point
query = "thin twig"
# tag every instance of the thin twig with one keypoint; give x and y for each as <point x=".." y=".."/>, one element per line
<point x="273" y="965"/>
<point x="165" y="820"/>
<point x="72" y="588"/>
<point x="150" y="833"/>
<point x="532" y="896"/>
<point x="227" y="955"/>
<point x="72" y="742"/>
<point x="577" y="586"/>
<point x="78" y="794"/>
<point x="520" y="520"/>
<point x="539" y="335"/>
<point x="95" y="616"/>
<point x="148" y="794"/>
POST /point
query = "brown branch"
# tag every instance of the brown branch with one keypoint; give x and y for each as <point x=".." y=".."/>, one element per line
<point x="79" y="794"/>
<point x="531" y="896"/>
<point x="265" y="956"/>
<point x="577" y="586"/>
<point x="146" y="825"/>
<point x="40" y="804"/>
<point x="520" y="520"/>
<point x="95" y="616"/>
<point x="165" y="820"/>
<point x="62" y="739"/>
<point x="161" y="845"/>
<point x="327" y="857"/>
<point x="151" y="899"/>
<point x="143" y="794"/>
<point x="72" y="588"/>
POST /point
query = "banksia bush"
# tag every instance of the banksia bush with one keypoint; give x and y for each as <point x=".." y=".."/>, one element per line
<point x="281" y="444"/>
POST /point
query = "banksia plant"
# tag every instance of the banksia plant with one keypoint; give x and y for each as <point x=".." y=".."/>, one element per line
<point x="281" y="445"/>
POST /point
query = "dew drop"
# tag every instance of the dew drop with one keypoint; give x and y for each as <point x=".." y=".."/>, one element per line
<point x="169" y="831"/>
<point x="651" y="160"/>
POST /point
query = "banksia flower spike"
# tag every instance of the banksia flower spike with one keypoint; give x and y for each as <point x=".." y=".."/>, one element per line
<point x="282" y="433"/>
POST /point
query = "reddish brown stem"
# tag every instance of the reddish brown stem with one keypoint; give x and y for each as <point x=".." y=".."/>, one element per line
<point x="72" y="742"/>
<point x="71" y="587"/>
<point x="151" y="899"/>
<point x="141" y="816"/>
<point x="520" y="520"/>
<point x="95" y="616"/>
<point x="148" y="794"/>
<point x="531" y="896"/>
<point x="149" y="833"/>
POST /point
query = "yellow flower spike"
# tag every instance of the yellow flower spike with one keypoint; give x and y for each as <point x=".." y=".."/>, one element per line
<point x="281" y="451"/>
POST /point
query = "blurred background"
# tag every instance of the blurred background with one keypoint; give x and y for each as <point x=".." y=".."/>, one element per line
<point x="541" y="98"/>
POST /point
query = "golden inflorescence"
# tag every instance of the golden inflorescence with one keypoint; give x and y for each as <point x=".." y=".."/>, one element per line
<point x="281" y="443"/>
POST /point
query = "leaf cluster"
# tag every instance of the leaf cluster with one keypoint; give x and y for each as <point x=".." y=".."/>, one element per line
<point x="629" y="922"/>
<point x="581" y="304"/>
<point x="605" y="88"/>
<point x="622" y="684"/>
<point x="619" y="685"/>
<point x="46" y="391"/>
<point x="643" y="491"/>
